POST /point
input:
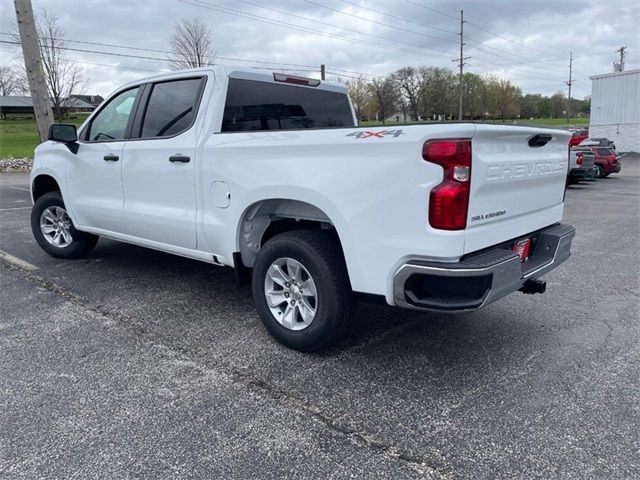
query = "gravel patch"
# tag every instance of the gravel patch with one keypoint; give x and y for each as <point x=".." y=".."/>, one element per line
<point x="15" y="164"/>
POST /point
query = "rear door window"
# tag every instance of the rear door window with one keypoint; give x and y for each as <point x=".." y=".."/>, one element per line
<point x="255" y="106"/>
<point x="171" y="108"/>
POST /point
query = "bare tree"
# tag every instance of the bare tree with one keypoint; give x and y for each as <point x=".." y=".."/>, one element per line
<point x="62" y="75"/>
<point x="191" y="45"/>
<point x="410" y="82"/>
<point x="385" y="94"/>
<point x="9" y="81"/>
<point x="360" y="94"/>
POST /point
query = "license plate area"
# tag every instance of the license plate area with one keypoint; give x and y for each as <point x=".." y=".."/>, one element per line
<point x="523" y="248"/>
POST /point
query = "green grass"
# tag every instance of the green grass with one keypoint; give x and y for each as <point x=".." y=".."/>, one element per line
<point x="19" y="136"/>
<point x="556" y="122"/>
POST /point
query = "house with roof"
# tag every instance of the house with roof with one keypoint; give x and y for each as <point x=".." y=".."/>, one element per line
<point x="21" y="105"/>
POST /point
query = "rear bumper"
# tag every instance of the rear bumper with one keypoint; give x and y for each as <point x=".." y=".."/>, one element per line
<point x="611" y="167"/>
<point x="480" y="278"/>
<point x="580" y="172"/>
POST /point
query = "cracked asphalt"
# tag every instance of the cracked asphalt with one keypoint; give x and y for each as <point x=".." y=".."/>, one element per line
<point x="137" y="364"/>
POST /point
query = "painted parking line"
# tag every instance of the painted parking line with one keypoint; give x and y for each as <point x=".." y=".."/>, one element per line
<point x="22" y="189"/>
<point x="16" y="262"/>
<point x="13" y="208"/>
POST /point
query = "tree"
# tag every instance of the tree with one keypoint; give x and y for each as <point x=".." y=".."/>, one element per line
<point x="191" y="45"/>
<point x="410" y="84"/>
<point x="505" y="97"/>
<point x="9" y="81"/>
<point x="63" y="76"/>
<point x="385" y="95"/>
<point x="474" y="91"/>
<point x="360" y="95"/>
<point x="530" y="105"/>
<point x="558" y="105"/>
<point x="439" y="98"/>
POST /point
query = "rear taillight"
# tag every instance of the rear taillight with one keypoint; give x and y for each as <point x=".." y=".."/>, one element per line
<point x="449" y="201"/>
<point x="612" y="158"/>
<point x="579" y="158"/>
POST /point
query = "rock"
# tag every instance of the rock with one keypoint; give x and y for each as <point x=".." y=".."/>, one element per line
<point x="15" y="164"/>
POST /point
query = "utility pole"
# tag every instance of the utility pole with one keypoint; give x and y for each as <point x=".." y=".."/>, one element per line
<point x="461" y="64"/>
<point x="623" y="53"/>
<point x="322" y="72"/>
<point x="33" y="66"/>
<point x="569" y="83"/>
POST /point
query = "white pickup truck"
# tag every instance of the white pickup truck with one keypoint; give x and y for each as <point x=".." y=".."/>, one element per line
<point x="269" y="174"/>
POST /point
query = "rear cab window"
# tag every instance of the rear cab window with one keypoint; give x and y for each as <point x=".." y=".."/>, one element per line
<point x="258" y="106"/>
<point x="171" y="108"/>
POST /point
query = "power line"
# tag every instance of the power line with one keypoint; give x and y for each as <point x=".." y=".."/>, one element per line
<point x="413" y="51"/>
<point x="402" y="19"/>
<point x="506" y="38"/>
<point x="316" y="21"/>
<point x="481" y="47"/>
<point x="376" y="22"/>
<point x="127" y="47"/>
<point x="431" y="9"/>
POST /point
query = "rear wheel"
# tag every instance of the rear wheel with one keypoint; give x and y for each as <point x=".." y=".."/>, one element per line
<point x="54" y="231"/>
<point x="599" y="172"/>
<point x="301" y="289"/>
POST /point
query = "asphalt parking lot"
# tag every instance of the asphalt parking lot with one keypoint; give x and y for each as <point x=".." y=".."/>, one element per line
<point x="137" y="364"/>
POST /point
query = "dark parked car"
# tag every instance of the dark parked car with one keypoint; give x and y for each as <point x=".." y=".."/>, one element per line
<point x="597" y="142"/>
<point x="606" y="160"/>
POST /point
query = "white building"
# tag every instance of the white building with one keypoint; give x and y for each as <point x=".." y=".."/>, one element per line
<point x="615" y="109"/>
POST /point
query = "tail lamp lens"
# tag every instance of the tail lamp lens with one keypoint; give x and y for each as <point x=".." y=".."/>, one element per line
<point x="449" y="201"/>
<point x="579" y="158"/>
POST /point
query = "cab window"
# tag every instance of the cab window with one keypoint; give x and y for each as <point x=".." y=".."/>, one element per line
<point x="171" y="108"/>
<point x="111" y="122"/>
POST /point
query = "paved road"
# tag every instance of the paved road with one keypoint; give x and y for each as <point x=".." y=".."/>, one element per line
<point x="133" y="363"/>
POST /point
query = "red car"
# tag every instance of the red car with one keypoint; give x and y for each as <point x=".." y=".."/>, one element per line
<point x="577" y="137"/>
<point x="606" y="161"/>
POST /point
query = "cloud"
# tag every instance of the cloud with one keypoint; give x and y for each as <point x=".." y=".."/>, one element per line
<point x="526" y="41"/>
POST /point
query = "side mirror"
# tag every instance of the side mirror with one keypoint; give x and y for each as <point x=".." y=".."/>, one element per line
<point x="64" y="133"/>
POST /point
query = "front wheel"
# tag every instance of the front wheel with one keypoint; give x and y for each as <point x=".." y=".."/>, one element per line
<point x="301" y="289"/>
<point x="54" y="231"/>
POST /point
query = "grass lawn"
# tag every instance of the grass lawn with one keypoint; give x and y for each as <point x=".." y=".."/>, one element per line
<point x="19" y="136"/>
<point x="551" y="122"/>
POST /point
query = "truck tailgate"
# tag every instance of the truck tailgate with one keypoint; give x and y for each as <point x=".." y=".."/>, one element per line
<point x="517" y="182"/>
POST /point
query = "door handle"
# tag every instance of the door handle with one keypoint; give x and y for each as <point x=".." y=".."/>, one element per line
<point x="111" y="158"/>
<point x="179" y="158"/>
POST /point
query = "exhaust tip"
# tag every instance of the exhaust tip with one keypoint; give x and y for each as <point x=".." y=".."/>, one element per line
<point x="534" y="286"/>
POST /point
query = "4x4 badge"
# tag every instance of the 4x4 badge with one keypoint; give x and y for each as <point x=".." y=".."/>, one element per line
<point x="380" y="134"/>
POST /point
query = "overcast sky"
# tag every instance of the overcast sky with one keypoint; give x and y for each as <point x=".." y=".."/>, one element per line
<point x="525" y="41"/>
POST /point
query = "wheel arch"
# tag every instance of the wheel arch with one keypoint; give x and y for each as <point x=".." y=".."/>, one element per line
<point x="265" y="218"/>
<point x="44" y="183"/>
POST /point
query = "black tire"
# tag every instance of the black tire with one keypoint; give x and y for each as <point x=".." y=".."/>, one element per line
<point x="599" y="172"/>
<point x="323" y="259"/>
<point x="82" y="242"/>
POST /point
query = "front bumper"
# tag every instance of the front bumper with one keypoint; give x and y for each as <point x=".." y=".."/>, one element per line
<point x="480" y="278"/>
